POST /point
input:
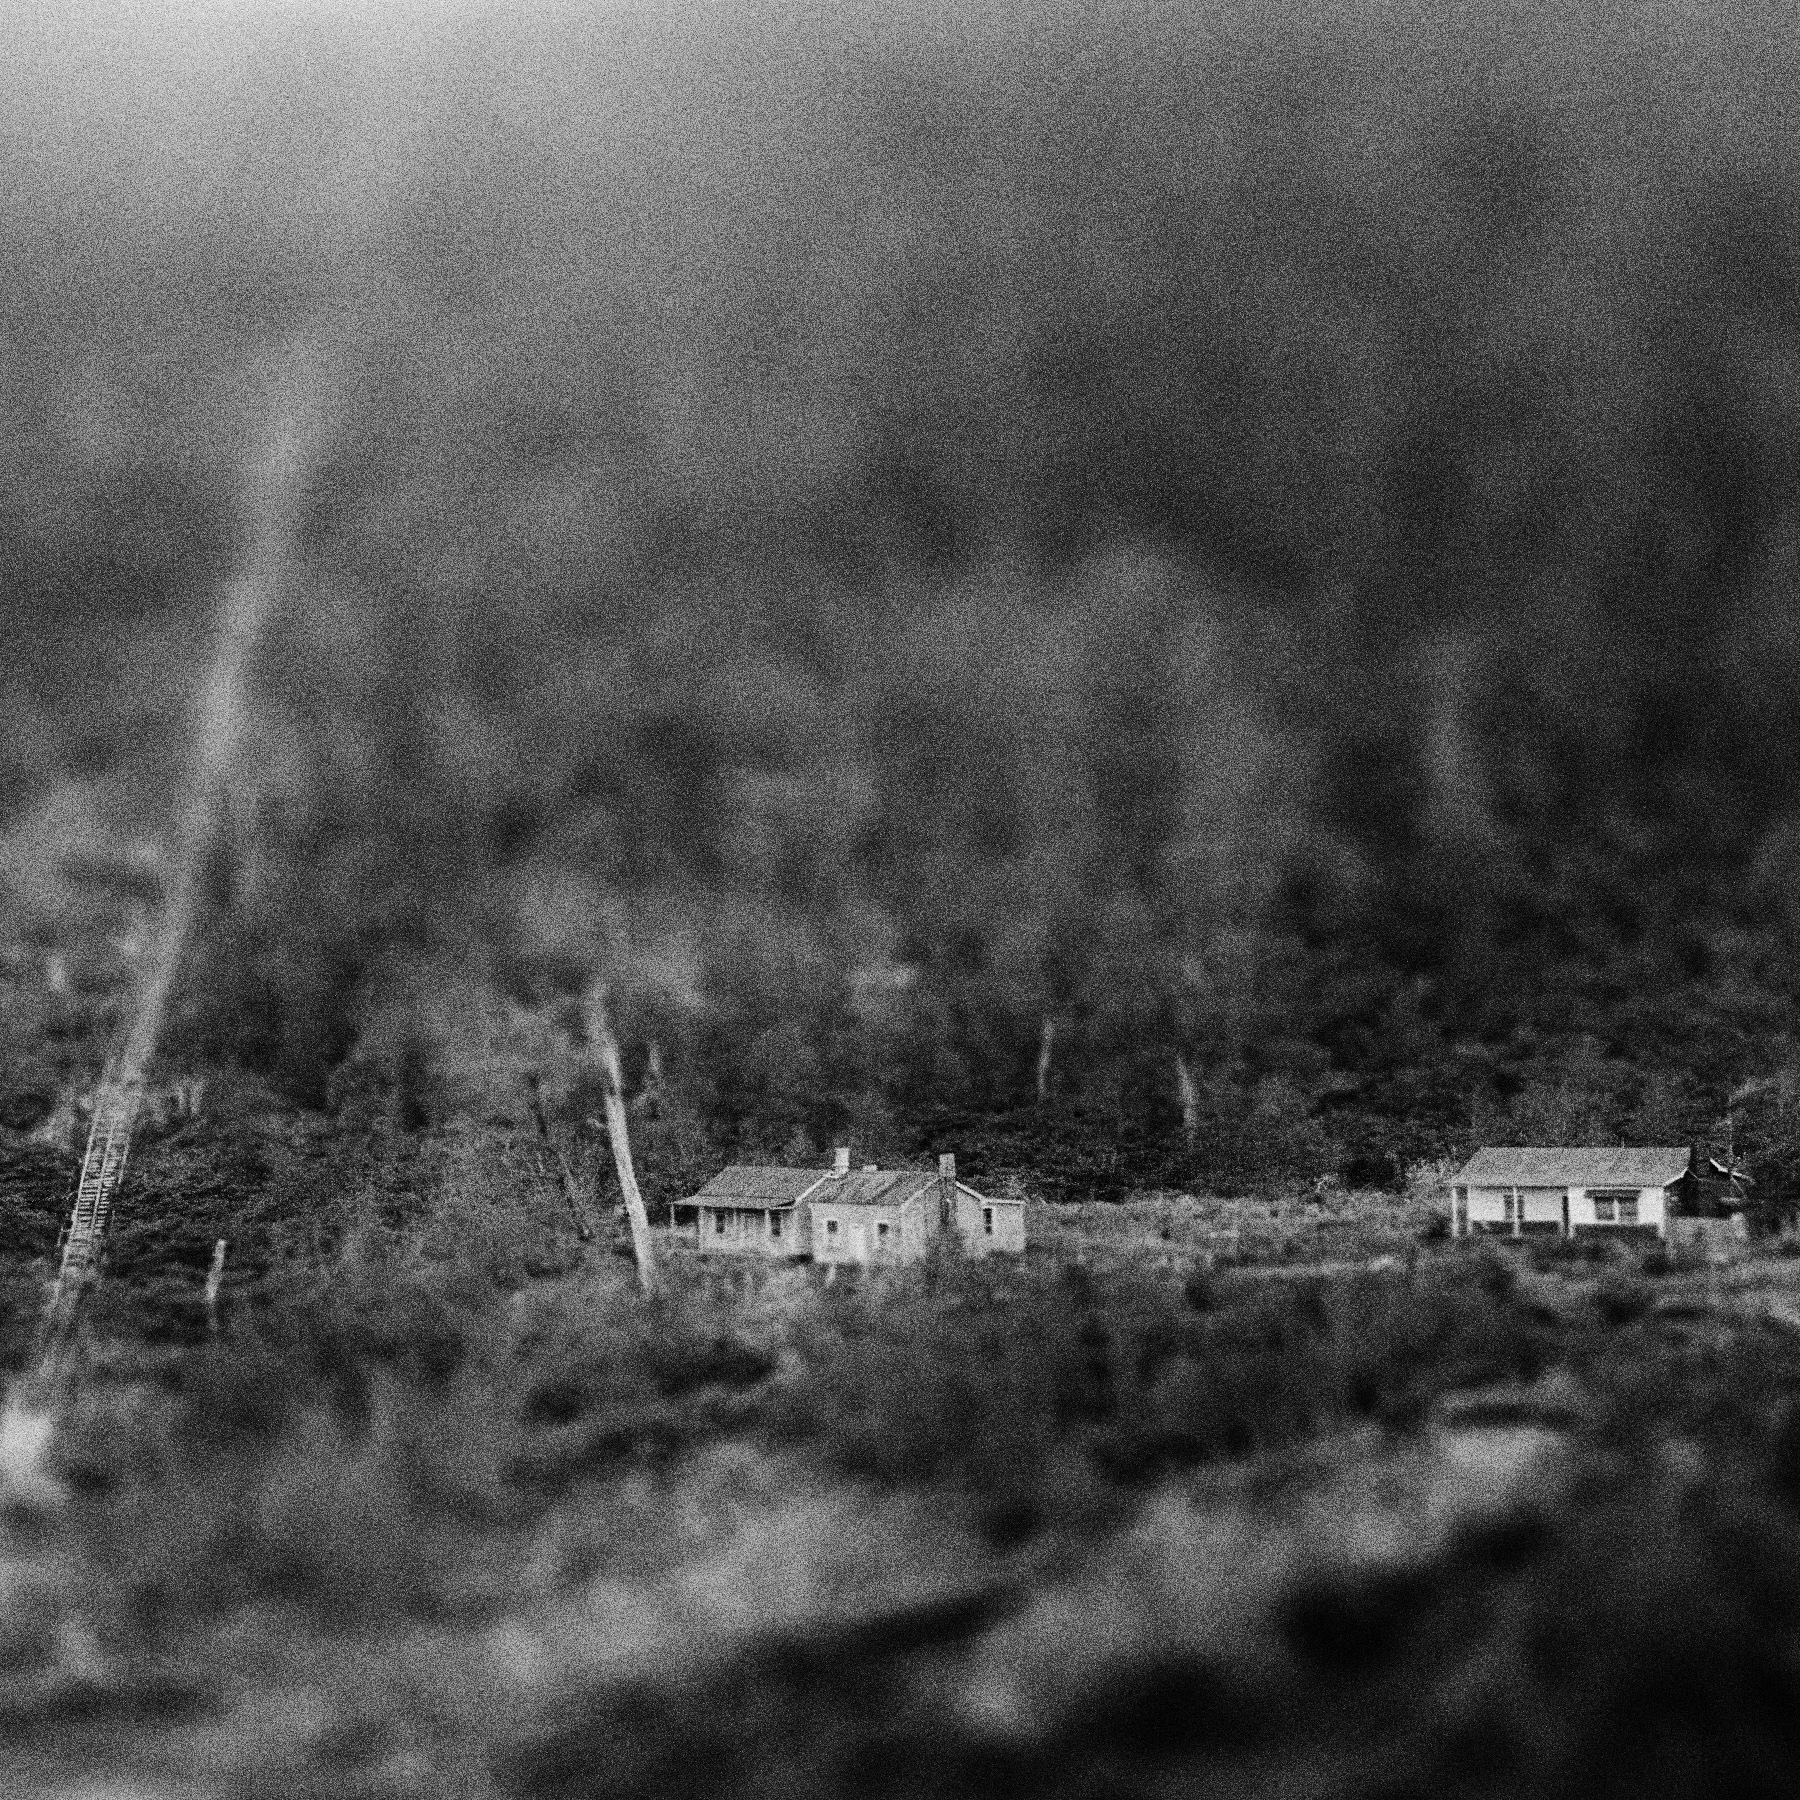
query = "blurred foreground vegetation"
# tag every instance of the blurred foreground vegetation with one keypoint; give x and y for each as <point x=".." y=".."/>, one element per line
<point x="446" y="1509"/>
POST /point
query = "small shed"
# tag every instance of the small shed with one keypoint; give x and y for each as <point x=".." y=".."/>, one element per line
<point x="1721" y="1190"/>
<point x="1572" y="1191"/>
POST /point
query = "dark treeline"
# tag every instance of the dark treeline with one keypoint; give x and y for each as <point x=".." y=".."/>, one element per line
<point x="1240" y="547"/>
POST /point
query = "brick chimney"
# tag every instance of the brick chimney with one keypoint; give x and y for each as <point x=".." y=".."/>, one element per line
<point x="946" y="1190"/>
<point x="840" y="1160"/>
<point x="947" y="1166"/>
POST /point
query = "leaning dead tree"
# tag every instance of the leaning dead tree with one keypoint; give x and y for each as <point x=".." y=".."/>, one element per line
<point x="1189" y="1097"/>
<point x="649" y="1094"/>
<point x="606" y="1048"/>
<point x="273" y="496"/>
<point x="102" y="1172"/>
<point x="1046" y="1048"/>
<point x="215" y="1277"/>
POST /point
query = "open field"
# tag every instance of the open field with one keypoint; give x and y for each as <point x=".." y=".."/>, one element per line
<point x="1299" y="1227"/>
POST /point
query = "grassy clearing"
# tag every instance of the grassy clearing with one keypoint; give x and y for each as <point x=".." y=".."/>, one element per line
<point x="1299" y="1226"/>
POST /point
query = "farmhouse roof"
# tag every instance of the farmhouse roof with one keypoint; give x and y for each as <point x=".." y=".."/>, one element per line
<point x="758" y="1189"/>
<point x="874" y="1187"/>
<point x="1583" y="1166"/>
<point x="745" y="1185"/>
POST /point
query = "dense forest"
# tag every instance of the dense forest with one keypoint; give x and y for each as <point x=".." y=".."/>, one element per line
<point x="994" y="581"/>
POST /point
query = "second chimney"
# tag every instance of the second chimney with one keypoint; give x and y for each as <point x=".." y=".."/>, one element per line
<point x="947" y="1166"/>
<point x="840" y="1160"/>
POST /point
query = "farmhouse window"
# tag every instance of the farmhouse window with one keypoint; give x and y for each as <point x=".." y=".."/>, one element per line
<point x="774" y="1225"/>
<point x="987" y="1221"/>
<point x="1512" y="1206"/>
<point x="719" y="1223"/>
<point x="831" y="1228"/>
<point x="881" y="1231"/>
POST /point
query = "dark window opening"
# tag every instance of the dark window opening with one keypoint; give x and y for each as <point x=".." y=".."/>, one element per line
<point x="1619" y="1207"/>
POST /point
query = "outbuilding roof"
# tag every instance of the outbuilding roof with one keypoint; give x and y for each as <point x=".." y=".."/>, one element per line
<point x="1727" y="1172"/>
<point x="1605" y="1165"/>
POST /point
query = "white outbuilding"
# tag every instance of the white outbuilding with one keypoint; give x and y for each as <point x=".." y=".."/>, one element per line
<point x="1570" y="1192"/>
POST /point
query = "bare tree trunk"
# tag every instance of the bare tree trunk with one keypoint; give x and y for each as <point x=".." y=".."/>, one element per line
<point x="572" y="1195"/>
<point x="1046" y="1043"/>
<point x="1190" y="1100"/>
<point x="215" y="1276"/>
<point x="275" y="491"/>
<point x="606" y="1047"/>
<point x="578" y="1208"/>
<point x="649" y="1096"/>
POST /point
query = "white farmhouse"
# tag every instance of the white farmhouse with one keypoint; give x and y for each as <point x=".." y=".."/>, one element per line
<point x="845" y="1215"/>
<point x="1564" y="1192"/>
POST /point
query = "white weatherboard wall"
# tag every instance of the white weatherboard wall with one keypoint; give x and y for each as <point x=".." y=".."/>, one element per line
<point x="839" y="1233"/>
<point x="860" y="1237"/>
<point x="746" y="1232"/>
<point x="986" y="1225"/>
<point x="1540" y="1207"/>
<point x="1486" y="1206"/>
<point x="1653" y="1208"/>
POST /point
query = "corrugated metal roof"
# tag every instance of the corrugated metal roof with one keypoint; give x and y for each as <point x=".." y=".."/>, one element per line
<point x="1619" y="1165"/>
<point x="744" y="1185"/>
<point x="873" y="1187"/>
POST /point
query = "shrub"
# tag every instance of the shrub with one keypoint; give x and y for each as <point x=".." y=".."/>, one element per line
<point x="1621" y="1298"/>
